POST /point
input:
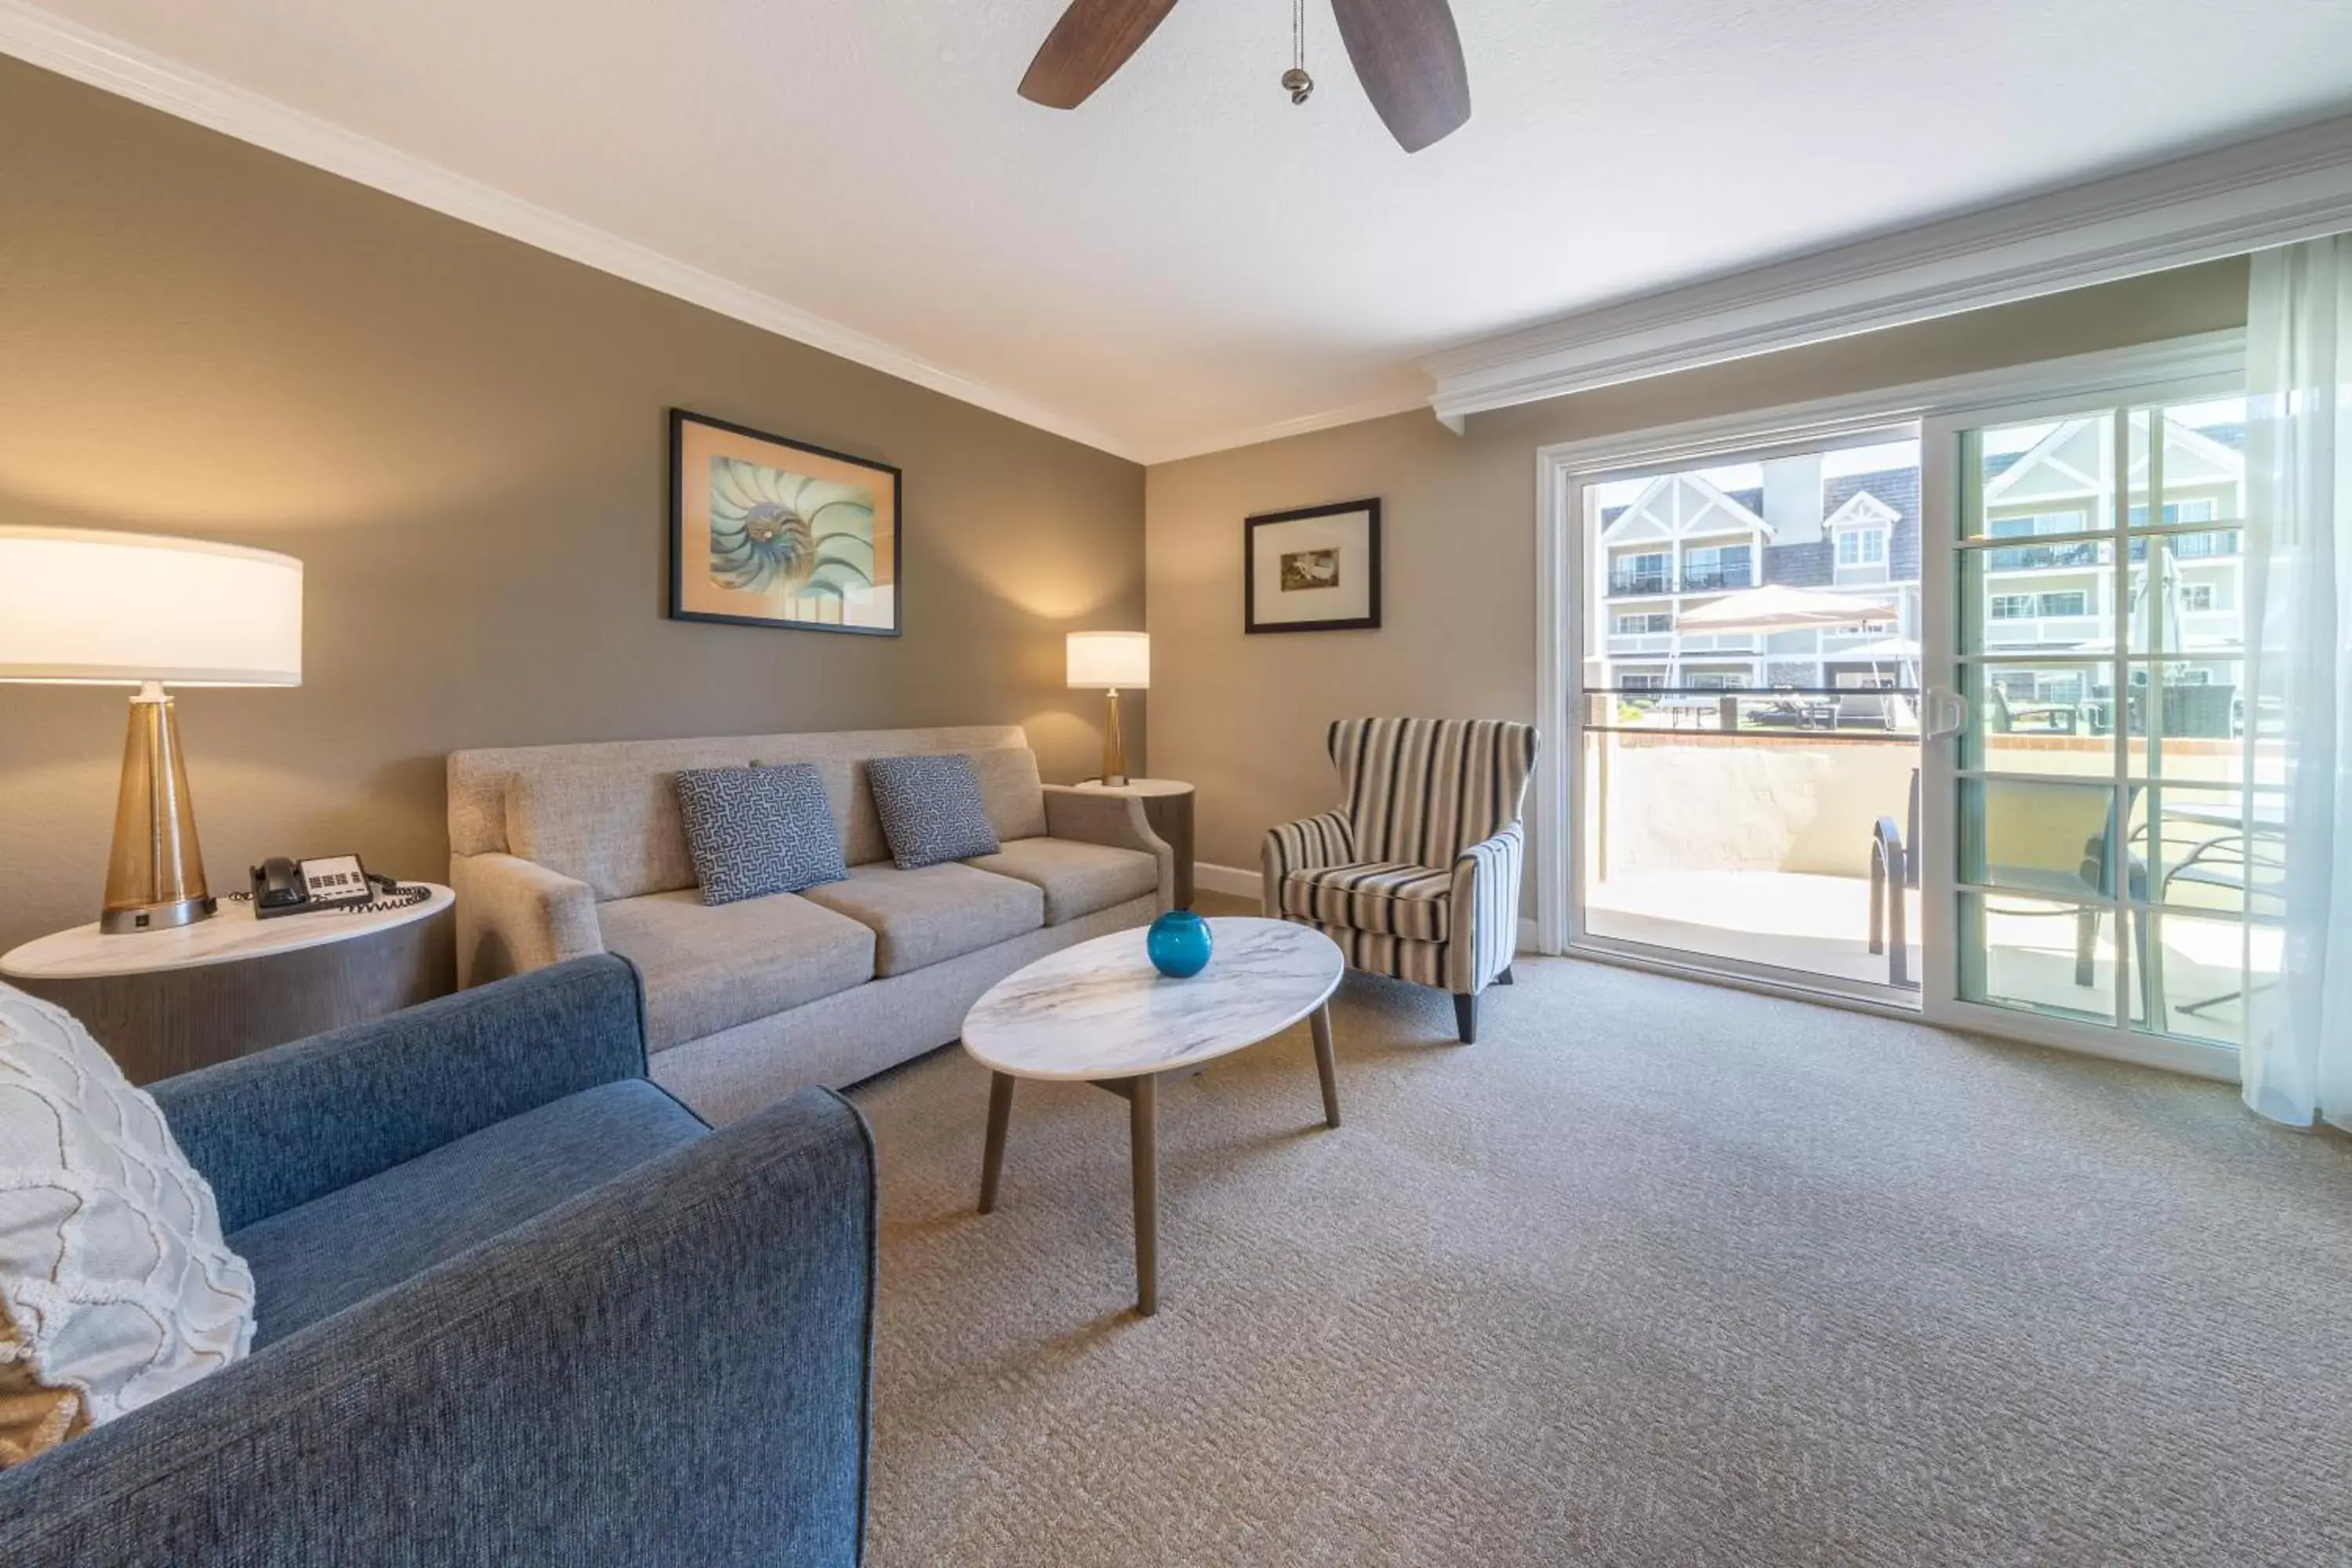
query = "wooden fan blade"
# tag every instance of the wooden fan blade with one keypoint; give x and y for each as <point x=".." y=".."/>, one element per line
<point x="1409" y="57"/>
<point x="1091" y="41"/>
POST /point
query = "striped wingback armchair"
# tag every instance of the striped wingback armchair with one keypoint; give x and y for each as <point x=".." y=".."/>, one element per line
<point x="1416" y="875"/>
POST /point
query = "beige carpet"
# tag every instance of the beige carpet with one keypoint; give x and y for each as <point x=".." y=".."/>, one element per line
<point x="1656" y="1273"/>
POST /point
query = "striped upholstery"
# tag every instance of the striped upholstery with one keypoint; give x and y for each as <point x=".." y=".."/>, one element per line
<point x="1417" y="874"/>
<point x="1423" y="790"/>
<point x="1386" y="896"/>
<point x="1311" y="841"/>
<point x="1423" y="963"/>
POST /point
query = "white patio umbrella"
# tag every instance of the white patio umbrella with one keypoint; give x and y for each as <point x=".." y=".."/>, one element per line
<point x="1776" y="608"/>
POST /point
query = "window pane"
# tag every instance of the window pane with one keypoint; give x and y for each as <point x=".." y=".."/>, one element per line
<point x="2056" y="595"/>
<point x="2189" y="730"/>
<point x="2049" y="478"/>
<point x="2039" y="719"/>
<point x="2186" y="594"/>
<point x="2037" y="837"/>
<point x="2213" y="848"/>
<point x="2204" y="968"/>
<point x="2040" y="956"/>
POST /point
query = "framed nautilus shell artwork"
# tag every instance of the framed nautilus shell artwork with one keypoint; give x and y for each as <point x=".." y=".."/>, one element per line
<point x="765" y="531"/>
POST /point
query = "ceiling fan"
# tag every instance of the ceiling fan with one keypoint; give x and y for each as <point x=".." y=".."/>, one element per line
<point x="1407" y="52"/>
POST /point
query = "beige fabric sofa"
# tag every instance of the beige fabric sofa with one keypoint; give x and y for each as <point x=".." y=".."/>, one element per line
<point x="557" y="851"/>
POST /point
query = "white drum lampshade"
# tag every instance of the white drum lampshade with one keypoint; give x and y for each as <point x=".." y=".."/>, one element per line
<point x="81" y="607"/>
<point x="1115" y="661"/>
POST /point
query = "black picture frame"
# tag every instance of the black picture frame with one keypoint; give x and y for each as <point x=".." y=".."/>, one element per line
<point x="1370" y="622"/>
<point x="679" y="420"/>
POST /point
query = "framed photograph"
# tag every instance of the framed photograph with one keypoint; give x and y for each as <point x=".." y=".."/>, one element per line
<point x="1313" y="569"/>
<point x="765" y="531"/>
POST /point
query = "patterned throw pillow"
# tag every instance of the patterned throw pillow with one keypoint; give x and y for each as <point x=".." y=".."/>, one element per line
<point x="931" y="809"/>
<point x="756" y="831"/>
<point x="115" y="1285"/>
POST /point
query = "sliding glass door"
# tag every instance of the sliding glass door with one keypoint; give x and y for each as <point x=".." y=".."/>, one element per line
<point x="1746" y="725"/>
<point x="2105" y="784"/>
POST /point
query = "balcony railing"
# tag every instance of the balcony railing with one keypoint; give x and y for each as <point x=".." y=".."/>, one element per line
<point x="2031" y="557"/>
<point x="1695" y="579"/>
<point x="1710" y="579"/>
<point x="2219" y="544"/>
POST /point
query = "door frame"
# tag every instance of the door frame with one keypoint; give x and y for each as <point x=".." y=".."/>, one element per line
<point x="1564" y="468"/>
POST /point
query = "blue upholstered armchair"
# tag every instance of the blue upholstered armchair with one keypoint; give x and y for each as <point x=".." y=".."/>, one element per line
<point x="1416" y="875"/>
<point x="515" y="1304"/>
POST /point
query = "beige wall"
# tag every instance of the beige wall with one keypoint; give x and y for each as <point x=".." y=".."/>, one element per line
<point x="1243" y="717"/>
<point x="464" y="441"/>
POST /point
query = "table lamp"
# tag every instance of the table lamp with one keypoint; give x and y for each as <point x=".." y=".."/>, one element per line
<point x="79" y="607"/>
<point x="1111" y="660"/>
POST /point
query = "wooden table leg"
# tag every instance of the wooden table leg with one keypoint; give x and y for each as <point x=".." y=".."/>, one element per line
<point x="999" y="1116"/>
<point x="1325" y="1069"/>
<point x="1143" y="1131"/>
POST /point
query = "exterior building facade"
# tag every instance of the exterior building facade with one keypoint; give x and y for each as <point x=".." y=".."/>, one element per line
<point x="1683" y="543"/>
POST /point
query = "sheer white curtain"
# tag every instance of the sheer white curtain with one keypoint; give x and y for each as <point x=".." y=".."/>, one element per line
<point x="2298" y="1048"/>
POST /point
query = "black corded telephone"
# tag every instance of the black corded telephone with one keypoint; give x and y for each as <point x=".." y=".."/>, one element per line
<point x="284" y="886"/>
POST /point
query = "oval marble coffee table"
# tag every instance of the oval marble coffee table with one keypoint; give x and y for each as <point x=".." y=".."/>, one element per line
<point x="1099" y="1012"/>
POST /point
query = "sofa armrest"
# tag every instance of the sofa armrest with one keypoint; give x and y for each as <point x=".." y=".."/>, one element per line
<point x="283" y="1126"/>
<point x="1098" y="816"/>
<point x="1485" y="910"/>
<point x="1329" y="839"/>
<point x="675" y="1367"/>
<point x="515" y="916"/>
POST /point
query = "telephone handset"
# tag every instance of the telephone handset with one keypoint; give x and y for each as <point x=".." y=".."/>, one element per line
<point x="287" y="886"/>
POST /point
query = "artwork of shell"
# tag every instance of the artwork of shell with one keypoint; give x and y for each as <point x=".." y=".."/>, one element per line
<point x="768" y="531"/>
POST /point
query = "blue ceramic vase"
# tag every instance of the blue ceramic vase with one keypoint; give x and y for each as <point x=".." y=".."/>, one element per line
<point x="1178" y="944"/>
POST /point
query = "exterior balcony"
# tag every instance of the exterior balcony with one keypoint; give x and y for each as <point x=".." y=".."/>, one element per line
<point x="1658" y="645"/>
<point x="1718" y="579"/>
<point x="2077" y="552"/>
<point x="1627" y="581"/>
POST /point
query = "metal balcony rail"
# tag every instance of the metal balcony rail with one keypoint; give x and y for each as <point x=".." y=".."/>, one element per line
<point x="1708" y="579"/>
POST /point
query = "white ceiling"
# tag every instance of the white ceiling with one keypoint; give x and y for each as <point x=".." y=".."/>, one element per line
<point x="1188" y="261"/>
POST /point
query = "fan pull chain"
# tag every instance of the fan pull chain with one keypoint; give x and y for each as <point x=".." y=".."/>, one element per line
<point x="1296" y="81"/>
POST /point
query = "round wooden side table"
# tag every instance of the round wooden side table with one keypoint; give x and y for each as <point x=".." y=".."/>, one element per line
<point x="167" y="1002"/>
<point x="1168" y="806"/>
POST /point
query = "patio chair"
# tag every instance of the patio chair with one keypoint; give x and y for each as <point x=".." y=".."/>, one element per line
<point x="2065" y="814"/>
<point x="1416" y="874"/>
<point x="2055" y="717"/>
<point x="1895" y="871"/>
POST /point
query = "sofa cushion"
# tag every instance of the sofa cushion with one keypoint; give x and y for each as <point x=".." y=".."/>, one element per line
<point x="932" y="913"/>
<point x="710" y="968"/>
<point x="756" y="831"/>
<point x="1387" y="897"/>
<point x="115" y="1285"/>
<point x="1077" y="878"/>
<point x="932" y="810"/>
<point x="613" y="825"/>
<point x="313" y="1260"/>
<point x="1014" y="794"/>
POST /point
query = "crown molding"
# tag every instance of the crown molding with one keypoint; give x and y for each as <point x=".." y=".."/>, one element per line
<point x="1305" y="424"/>
<point x="2272" y="190"/>
<point x="40" y="39"/>
<point x="2200" y="365"/>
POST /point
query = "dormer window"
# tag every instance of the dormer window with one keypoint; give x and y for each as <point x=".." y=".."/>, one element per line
<point x="1862" y="534"/>
<point x="1864" y="546"/>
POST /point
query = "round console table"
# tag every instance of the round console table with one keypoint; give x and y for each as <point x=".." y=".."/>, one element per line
<point x="167" y="1002"/>
<point x="1168" y="806"/>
